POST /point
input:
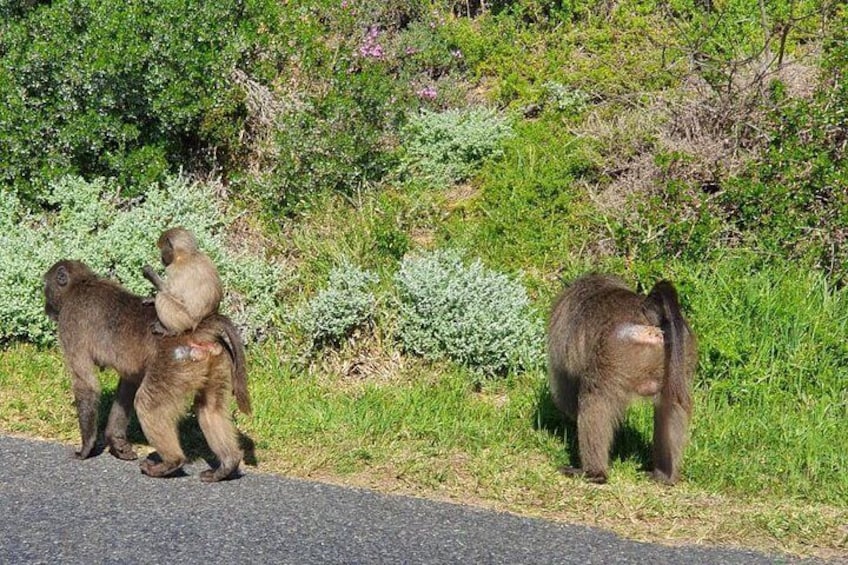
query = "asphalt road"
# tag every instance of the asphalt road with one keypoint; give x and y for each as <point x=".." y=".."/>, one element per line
<point x="54" y="509"/>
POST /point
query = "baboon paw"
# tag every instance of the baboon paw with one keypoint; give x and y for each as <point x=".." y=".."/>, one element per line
<point x="83" y="452"/>
<point x="122" y="449"/>
<point x="596" y="477"/>
<point x="219" y="474"/>
<point x="662" y="478"/>
<point x="159" y="470"/>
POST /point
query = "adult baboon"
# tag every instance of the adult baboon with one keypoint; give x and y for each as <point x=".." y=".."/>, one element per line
<point x="101" y="324"/>
<point x="607" y="345"/>
<point x="191" y="290"/>
<point x="180" y="370"/>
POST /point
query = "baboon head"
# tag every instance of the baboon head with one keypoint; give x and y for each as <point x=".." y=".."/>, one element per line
<point x="58" y="280"/>
<point x="176" y="242"/>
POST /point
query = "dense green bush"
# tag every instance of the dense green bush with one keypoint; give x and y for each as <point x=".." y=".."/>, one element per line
<point x="449" y="146"/>
<point x="116" y="237"/>
<point x="335" y="140"/>
<point x="469" y="314"/>
<point x="370" y="64"/>
<point x="128" y="90"/>
<point x="345" y="304"/>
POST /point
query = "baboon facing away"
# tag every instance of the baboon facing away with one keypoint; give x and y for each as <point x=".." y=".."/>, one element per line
<point x="100" y="324"/>
<point x="181" y="370"/>
<point x="607" y="345"/>
<point x="191" y="290"/>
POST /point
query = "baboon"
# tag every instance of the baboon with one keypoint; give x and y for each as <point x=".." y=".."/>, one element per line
<point x="101" y="324"/>
<point x="180" y="370"/>
<point x="607" y="345"/>
<point x="192" y="288"/>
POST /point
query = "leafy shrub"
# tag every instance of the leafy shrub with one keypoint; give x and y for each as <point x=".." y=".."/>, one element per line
<point x="116" y="237"/>
<point x="369" y="63"/>
<point x="564" y="99"/>
<point x="344" y="305"/>
<point x="792" y="202"/>
<point x="469" y="314"/>
<point x="335" y="140"/>
<point x="129" y="90"/>
<point x="447" y="147"/>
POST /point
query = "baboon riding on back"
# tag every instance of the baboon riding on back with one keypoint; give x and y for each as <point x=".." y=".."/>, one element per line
<point x="101" y="324"/>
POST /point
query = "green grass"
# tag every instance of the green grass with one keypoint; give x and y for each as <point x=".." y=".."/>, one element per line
<point x="767" y="466"/>
<point x="428" y="430"/>
<point x="775" y="366"/>
<point x="530" y="214"/>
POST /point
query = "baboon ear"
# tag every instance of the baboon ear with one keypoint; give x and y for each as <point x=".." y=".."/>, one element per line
<point x="62" y="276"/>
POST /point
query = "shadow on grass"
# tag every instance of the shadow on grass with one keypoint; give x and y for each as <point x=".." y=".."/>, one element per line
<point x="628" y="443"/>
<point x="191" y="436"/>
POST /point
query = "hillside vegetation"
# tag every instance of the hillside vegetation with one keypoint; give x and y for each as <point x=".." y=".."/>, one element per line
<point x="395" y="192"/>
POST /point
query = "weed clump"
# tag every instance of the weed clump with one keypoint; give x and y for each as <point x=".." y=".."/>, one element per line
<point x="469" y="314"/>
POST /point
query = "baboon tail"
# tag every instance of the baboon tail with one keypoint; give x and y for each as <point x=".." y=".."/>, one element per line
<point x="239" y="378"/>
<point x="676" y="387"/>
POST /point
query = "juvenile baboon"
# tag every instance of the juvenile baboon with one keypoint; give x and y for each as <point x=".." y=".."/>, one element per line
<point x="191" y="290"/>
<point x="607" y="345"/>
<point x="100" y="324"/>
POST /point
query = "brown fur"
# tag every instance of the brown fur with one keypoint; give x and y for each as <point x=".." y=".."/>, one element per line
<point x="608" y="345"/>
<point x="100" y="324"/>
<point x="160" y="401"/>
<point x="192" y="288"/>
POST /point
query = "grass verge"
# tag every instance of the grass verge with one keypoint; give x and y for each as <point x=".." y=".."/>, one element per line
<point x="428" y="430"/>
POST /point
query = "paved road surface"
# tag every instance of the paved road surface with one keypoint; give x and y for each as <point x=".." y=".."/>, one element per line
<point x="54" y="509"/>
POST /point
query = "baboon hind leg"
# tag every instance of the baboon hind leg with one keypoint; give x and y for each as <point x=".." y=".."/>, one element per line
<point x="172" y="314"/>
<point x="596" y="422"/>
<point x="211" y="406"/>
<point x="119" y="417"/>
<point x="158" y="415"/>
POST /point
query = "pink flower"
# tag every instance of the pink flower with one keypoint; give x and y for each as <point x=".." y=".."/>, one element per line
<point x="370" y="47"/>
<point x="427" y="93"/>
<point x="345" y="4"/>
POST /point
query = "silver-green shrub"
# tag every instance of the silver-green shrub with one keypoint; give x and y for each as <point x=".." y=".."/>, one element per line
<point x="448" y="147"/>
<point x="565" y="99"/>
<point x="469" y="314"/>
<point x="116" y="237"/>
<point x="345" y="304"/>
